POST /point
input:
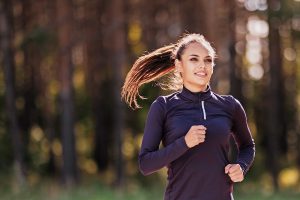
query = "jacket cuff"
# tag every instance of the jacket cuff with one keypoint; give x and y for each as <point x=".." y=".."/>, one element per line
<point x="181" y="143"/>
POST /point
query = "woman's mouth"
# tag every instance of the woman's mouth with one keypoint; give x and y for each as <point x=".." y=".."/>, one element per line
<point x="201" y="74"/>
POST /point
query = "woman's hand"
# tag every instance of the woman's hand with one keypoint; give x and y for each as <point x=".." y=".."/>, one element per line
<point x="195" y="136"/>
<point x="235" y="172"/>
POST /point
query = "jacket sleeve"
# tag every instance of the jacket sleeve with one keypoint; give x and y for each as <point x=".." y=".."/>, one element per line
<point x="151" y="158"/>
<point x="243" y="137"/>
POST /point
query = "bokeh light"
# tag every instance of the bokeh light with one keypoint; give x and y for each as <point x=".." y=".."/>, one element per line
<point x="256" y="72"/>
<point x="253" y="5"/>
<point x="290" y="54"/>
<point x="258" y="27"/>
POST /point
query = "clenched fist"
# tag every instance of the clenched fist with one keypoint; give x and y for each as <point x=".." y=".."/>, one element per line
<point x="195" y="135"/>
<point x="235" y="172"/>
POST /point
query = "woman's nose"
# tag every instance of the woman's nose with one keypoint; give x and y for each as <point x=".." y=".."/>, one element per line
<point x="201" y="65"/>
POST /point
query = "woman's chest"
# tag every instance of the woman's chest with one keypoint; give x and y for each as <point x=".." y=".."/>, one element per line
<point x="215" y="118"/>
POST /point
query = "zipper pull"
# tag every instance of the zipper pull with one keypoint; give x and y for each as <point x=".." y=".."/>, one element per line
<point x="203" y="110"/>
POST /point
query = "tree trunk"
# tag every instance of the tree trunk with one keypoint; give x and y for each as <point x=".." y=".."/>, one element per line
<point x="197" y="17"/>
<point x="30" y="65"/>
<point x="65" y="27"/>
<point x="49" y="107"/>
<point x="97" y="77"/>
<point x="7" y="49"/>
<point x="118" y="61"/>
<point x="149" y="25"/>
<point x="234" y="70"/>
<point x="275" y="94"/>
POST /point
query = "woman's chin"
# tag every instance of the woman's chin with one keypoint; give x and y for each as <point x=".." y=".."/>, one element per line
<point x="201" y="84"/>
<point x="197" y="86"/>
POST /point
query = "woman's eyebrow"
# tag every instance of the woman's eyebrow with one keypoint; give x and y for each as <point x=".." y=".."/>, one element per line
<point x="194" y="55"/>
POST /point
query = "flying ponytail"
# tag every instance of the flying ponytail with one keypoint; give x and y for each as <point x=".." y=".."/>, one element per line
<point x="146" y="69"/>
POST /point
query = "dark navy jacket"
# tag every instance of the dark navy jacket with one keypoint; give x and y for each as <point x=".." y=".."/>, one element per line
<point x="198" y="172"/>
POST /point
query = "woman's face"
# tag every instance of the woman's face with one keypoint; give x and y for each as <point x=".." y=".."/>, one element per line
<point x="195" y="66"/>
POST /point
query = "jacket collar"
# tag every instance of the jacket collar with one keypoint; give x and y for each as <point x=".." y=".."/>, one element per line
<point x="196" y="96"/>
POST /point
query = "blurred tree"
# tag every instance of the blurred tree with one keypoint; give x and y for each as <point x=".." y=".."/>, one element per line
<point x="28" y="90"/>
<point x="234" y="69"/>
<point x="236" y="83"/>
<point x="36" y="45"/>
<point x="288" y="41"/>
<point x="65" y="30"/>
<point x="159" y="23"/>
<point x="7" y="49"/>
<point x="48" y="73"/>
<point x="98" y="78"/>
<point x="198" y="17"/>
<point x="149" y="23"/>
<point x="118" y="63"/>
<point x="275" y="92"/>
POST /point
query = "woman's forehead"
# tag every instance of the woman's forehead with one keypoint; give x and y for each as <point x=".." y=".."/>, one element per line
<point x="196" y="48"/>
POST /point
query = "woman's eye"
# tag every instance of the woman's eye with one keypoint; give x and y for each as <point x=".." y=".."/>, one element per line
<point x="208" y="60"/>
<point x="193" y="59"/>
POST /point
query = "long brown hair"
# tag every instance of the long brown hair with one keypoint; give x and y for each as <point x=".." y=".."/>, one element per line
<point x="156" y="64"/>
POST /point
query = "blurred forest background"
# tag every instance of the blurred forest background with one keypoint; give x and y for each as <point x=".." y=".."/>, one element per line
<point x="63" y="125"/>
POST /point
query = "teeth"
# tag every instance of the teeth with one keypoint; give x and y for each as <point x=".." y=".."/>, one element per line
<point x="200" y="73"/>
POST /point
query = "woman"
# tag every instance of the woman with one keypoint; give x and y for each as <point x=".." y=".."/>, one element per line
<point x="194" y="124"/>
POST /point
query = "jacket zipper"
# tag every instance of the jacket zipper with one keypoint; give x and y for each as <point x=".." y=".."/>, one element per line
<point x="203" y="110"/>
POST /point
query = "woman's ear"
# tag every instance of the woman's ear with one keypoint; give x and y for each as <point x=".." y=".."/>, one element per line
<point x="178" y="66"/>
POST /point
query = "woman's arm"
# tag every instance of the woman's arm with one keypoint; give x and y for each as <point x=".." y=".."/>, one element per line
<point x="151" y="158"/>
<point x="243" y="137"/>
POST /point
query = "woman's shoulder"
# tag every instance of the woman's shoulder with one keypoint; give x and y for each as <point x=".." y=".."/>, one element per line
<point x="228" y="100"/>
<point x="224" y="97"/>
<point x="166" y="99"/>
